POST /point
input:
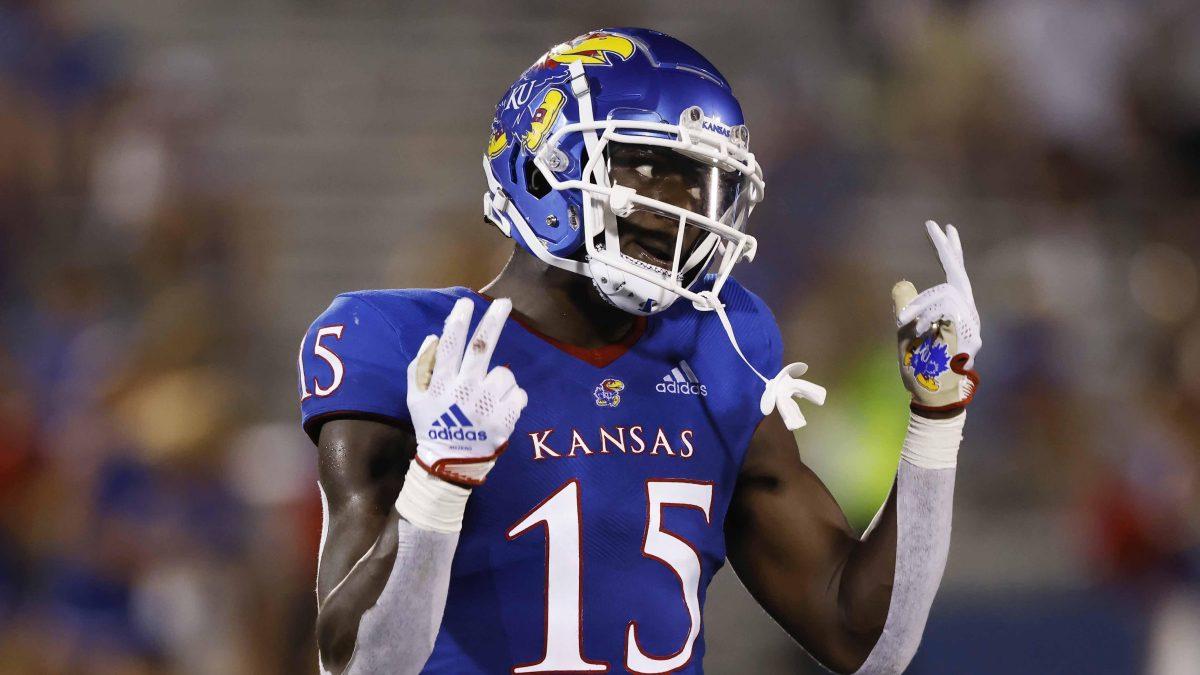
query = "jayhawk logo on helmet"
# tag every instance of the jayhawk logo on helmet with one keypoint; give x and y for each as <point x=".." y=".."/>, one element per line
<point x="608" y="393"/>
<point x="928" y="360"/>
<point x="591" y="49"/>
<point x="497" y="141"/>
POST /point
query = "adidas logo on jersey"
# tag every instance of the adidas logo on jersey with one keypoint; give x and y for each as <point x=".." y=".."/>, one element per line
<point x="454" y="425"/>
<point x="681" y="380"/>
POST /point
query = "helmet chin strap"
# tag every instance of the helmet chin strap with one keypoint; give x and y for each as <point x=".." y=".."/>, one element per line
<point x="779" y="392"/>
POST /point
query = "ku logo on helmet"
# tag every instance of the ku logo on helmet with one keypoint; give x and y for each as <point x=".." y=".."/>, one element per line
<point x="591" y="50"/>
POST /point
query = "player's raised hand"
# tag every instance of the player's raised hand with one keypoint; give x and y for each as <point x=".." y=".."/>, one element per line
<point x="462" y="412"/>
<point x="938" y="331"/>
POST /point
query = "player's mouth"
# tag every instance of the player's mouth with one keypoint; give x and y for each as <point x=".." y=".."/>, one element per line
<point x="648" y="245"/>
<point x="652" y="253"/>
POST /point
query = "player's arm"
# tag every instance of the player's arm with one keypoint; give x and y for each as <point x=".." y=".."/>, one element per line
<point x="362" y="465"/>
<point x="385" y="569"/>
<point x="860" y="604"/>
<point x="793" y="548"/>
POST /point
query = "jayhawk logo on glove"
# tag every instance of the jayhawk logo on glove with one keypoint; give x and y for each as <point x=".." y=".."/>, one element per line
<point x="927" y="360"/>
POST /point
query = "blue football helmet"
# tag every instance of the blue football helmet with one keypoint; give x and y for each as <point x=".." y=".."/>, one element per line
<point x="549" y="164"/>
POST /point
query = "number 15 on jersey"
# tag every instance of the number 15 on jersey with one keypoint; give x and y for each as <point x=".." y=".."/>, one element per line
<point x="561" y="515"/>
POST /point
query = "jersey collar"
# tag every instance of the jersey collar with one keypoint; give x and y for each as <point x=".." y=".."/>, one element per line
<point x="599" y="357"/>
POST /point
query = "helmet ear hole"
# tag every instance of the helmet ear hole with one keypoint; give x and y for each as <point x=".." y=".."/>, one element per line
<point x="512" y="166"/>
<point x="535" y="182"/>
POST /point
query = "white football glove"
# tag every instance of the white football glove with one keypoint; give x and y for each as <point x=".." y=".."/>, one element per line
<point x="939" y="331"/>
<point x="462" y="415"/>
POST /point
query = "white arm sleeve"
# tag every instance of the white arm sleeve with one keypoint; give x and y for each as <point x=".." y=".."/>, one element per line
<point x="396" y="635"/>
<point x="924" y="501"/>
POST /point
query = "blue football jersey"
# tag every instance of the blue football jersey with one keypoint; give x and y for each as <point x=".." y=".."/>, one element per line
<point x="592" y="543"/>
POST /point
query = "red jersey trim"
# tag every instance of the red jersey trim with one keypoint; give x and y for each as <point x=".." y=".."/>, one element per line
<point x="596" y="356"/>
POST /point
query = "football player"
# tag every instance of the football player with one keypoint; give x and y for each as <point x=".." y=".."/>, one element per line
<point x="544" y="475"/>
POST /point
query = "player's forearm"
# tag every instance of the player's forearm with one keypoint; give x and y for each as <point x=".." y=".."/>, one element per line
<point x="806" y="593"/>
<point x="385" y="613"/>
<point x="350" y="534"/>
<point x="353" y="588"/>
<point x="396" y="635"/>
<point x="924" y="495"/>
<point x="362" y="468"/>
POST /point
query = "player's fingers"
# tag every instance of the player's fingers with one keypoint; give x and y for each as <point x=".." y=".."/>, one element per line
<point x="945" y="308"/>
<point x="796" y="369"/>
<point x="945" y="250"/>
<point x="516" y="399"/>
<point x="956" y="269"/>
<point x="929" y="317"/>
<point x="903" y="293"/>
<point x="943" y="297"/>
<point x="420" y="369"/>
<point x="948" y="333"/>
<point x="499" y="382"/>
<point x="512" y="404"/>
<point x="955" y="242"/>
<point x="949" y="251"/>
<point x="922" y="325"/>
<point x="936" y="236"/>
<point x="454" y="337"/>
<point x="809" y="391"/>
<point x="913" y="309"/>
<point x="483" y="340"/>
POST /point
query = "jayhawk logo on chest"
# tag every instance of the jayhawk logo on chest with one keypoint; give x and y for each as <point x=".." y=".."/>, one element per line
<point x="608" y="393"/>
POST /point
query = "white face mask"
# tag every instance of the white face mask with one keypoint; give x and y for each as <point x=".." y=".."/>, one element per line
<point x="668" y="248"/>
<point x="697" y="175"/>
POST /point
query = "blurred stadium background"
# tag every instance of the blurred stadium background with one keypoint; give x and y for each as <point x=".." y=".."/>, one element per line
<point x="184" y="185"/>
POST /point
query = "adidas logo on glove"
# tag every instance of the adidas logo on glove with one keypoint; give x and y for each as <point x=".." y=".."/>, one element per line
<point x="453" y="425"/>
<point x="681" y="380"/>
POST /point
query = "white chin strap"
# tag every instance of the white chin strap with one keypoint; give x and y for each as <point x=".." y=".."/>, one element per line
<point x="779" y="392"/>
